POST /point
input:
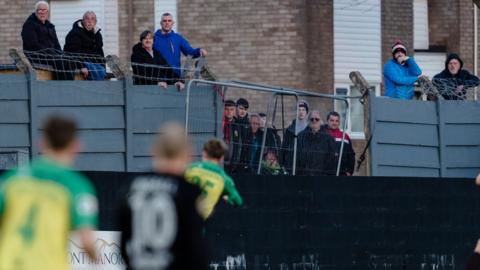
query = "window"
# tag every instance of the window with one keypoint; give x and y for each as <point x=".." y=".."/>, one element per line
<point x="354" y="114"/>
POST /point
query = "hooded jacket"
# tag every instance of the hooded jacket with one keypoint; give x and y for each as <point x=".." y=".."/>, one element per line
<point x="447" y="83"/>
<point x="147" y="74"/>
<point x="80" y="40"/>
<point x="399" y="79"/>
<point x="286" y="153"/>
<point x="170" y="45"/>
<point x="37" y="36"/>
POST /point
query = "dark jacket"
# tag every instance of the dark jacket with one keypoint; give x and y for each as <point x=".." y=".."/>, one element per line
<point x="37" y="36"/>
<point x="286" y="152"/>
<point x="232" y="137"/>
<point x="446" y="83"/>
<point x="316" y="153"/>
<point x="348" y="155"/>
<point x="147" y="74"/>
<point x="80" y="40"/>
<point x="252" y="147"/>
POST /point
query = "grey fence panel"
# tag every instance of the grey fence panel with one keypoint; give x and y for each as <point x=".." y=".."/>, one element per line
<point x="412" y="138"/>
<point x="405" y="138"/>
<point x="14" y="111"/>
<point x="102" y="141"/>
<point x="14" y="135"/>
<point x="460" y="133"/>
<point x="100" y="162"/>
<point x="411" y="134"/>
<point x="400" y="111"/>
<point x="148" y="120"/>
<point x="152" y="96"/>
<point x="88" y="117"/>
<point x="13" y="87"/>
<point x="141" y="164"/>
<point x="14" y="114"/>
<point x="408" y="171"/>
<point x="80" y="93"/>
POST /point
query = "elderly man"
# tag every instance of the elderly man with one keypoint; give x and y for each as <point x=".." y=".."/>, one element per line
<point x="38" y="34"/>
<point x="316" y="149"/>
<point x="170" y="44"/>
<point x="453" y="81"/>
<point x="85" y="38"/>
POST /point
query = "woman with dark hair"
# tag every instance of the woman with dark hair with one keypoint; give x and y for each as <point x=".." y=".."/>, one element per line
<point x="149" y="67"/>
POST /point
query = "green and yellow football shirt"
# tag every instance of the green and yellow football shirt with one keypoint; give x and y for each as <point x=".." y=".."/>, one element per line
<point x="213" y="181"/>
<point x="39" y="205"/>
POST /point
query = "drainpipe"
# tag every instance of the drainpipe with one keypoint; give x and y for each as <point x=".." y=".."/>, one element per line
<point x="475" y="45"/>
<point x="130" y="19"/>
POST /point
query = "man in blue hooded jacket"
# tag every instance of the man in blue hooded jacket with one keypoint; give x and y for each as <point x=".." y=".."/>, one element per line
<point x="400" y="73"/>
<point x="170" y="44"/>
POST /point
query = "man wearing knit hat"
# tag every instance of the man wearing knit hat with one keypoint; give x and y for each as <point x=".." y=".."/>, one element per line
<point x="400" y="73"/>
<point x="453" y="81"/>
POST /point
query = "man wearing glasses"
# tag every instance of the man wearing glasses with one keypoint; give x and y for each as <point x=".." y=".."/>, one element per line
<point x="316" y="149"/>
<point x="170" y="44"/>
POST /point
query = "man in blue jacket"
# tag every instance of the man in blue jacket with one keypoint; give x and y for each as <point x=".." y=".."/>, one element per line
<point x="400" y="73"/>
<point x="170" y="44"/>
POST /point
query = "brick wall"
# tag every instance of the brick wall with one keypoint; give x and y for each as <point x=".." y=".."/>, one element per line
<point x="14" y="15"/>
<point x="451" y="27"/>
<point x="397" y="23"/>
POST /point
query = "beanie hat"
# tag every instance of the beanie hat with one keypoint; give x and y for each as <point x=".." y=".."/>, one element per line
<point x="229" y="103"/>
<point x="398" y="46"/>
<point x="452" y="56"/>
<point x="303" y="103"/>
<point x="242" y="102"/>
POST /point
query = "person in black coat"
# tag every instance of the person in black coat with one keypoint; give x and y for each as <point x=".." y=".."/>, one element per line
<point x="86" y="43"/>
<point x="316" y="149"/>
<point x="40" y="43"/>
<point x="453" y="81"/>
<point x="300" y="123"/>
<point x="149" y="67"/>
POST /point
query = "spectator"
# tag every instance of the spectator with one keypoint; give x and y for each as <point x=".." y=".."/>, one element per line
<point x="272" y="134"/>
<point x="242" y="115"/>
<point x="231" y="136"/>
<point x="400" y="73"/>
<point x="348" y="156"/>
<point x="270" y="164"/>
<point x="170" y="44"/>
<point x="39" y="37"/>
<point x="252" y="145"/>
<point x="144" y="58"/>
<point x="316" y="149"/>
<point x="286" y="154"/>
<point x="85" y="38"/>
<point x="212" y="179"/>
<point x="453" y="81"/>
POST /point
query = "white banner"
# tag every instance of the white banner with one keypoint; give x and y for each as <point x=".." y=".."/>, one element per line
<point x="107" y="244"/>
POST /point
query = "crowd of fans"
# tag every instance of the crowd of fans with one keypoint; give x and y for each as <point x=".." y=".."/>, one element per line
<point x="155" y="59"/>
<point x="318" y="145"/>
